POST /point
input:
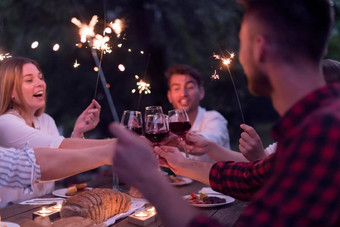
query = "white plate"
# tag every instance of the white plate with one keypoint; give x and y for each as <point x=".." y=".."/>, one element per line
<point x="9" y="224"/>
<point x="62" y="192"/>
<point x="228" y="199"/>
<point x="184" y="182"/>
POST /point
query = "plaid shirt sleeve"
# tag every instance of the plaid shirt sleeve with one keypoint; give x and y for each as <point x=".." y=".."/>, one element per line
<point x="304" y="190"/>
<point x="240" y="180"/>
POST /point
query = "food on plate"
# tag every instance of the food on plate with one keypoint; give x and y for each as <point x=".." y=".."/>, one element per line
<point x="175" y="180"/>
<point x="76" y="188"/>
<point x="71" y="190"/>
<point x="97" y="204"/>
<point x="63" y="222"/>
<point x="203" y="198"/>
<point x="80" y="186"/>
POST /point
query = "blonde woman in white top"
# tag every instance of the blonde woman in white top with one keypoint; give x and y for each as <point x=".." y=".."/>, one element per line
<point x="23" y="121"/>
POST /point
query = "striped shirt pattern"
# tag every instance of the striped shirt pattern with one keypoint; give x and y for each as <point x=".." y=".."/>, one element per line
<point x="18" y="168"/>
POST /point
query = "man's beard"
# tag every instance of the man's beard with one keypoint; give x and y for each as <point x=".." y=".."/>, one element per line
<point x="259" y="84"/>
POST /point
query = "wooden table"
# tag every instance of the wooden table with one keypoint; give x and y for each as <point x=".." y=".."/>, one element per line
<point x="226" y="214"/>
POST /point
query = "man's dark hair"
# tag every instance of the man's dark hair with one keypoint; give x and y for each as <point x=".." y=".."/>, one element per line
<point x="298" y="27"/>
<point x="184" y="70"/>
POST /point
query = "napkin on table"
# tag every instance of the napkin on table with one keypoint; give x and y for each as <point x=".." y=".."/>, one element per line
<point x="209" y="190"/>
<point x="42" y="201"/>
<point x="136" y="205"/>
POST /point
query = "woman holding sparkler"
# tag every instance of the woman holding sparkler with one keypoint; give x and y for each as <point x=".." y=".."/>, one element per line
<point x="22" y="104"/>
<point x="24" y="123"/>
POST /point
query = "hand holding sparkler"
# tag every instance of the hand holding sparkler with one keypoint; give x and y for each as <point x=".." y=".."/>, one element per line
<point x="250" y="144"/>
<point x="97" y="42"/>
<point x="87" y="120"/>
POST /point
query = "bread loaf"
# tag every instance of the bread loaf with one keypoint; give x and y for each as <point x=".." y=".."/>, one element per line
<point x="97" y="204"/>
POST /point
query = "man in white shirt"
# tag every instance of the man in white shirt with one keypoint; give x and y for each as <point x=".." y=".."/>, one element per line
<point x="185" y="90"/>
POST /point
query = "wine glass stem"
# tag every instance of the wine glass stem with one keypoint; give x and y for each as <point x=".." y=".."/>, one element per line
<point x="183" y="148"/>
<point x="116" y="182"/>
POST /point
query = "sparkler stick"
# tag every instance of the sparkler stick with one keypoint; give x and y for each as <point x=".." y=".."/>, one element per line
<point x="98" y="75"/>
<point x="106" y="90"/>
<point x="238" y="99"/>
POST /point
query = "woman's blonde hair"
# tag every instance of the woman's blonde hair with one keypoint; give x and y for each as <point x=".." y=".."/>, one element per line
<point x="11" y="79"/>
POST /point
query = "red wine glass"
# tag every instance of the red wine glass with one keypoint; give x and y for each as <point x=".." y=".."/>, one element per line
<point x="150" y="110"/>
<point x="132" y="120"/>
<point x="179" y="124"/>
<point x="156" y="128"/>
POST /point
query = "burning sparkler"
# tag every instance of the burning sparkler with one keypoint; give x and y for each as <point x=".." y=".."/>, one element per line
<point x="227" y="62"/>
<point x="100" y="43"/>
<point x="87" y="33"/>
<point x="85" y="30"/>
<point x="4" y="56"/>
<point x="215" y="76"/>
<point x="76" y="64"/>
<point x="117" y="26"/>
<point x="142" y="86"/>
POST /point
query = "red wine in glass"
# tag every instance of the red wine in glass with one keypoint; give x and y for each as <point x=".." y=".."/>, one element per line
<point x="156" y="127"/>
<point x="157" y="137"/>
<point x="180" y="128"/>
<point x="179" y="124"/>
<point x="138" y="130"/>
<point x="132" y="120"/>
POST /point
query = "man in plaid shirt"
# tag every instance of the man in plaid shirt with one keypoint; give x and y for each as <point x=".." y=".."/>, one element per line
<point x="282" y="43"/>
